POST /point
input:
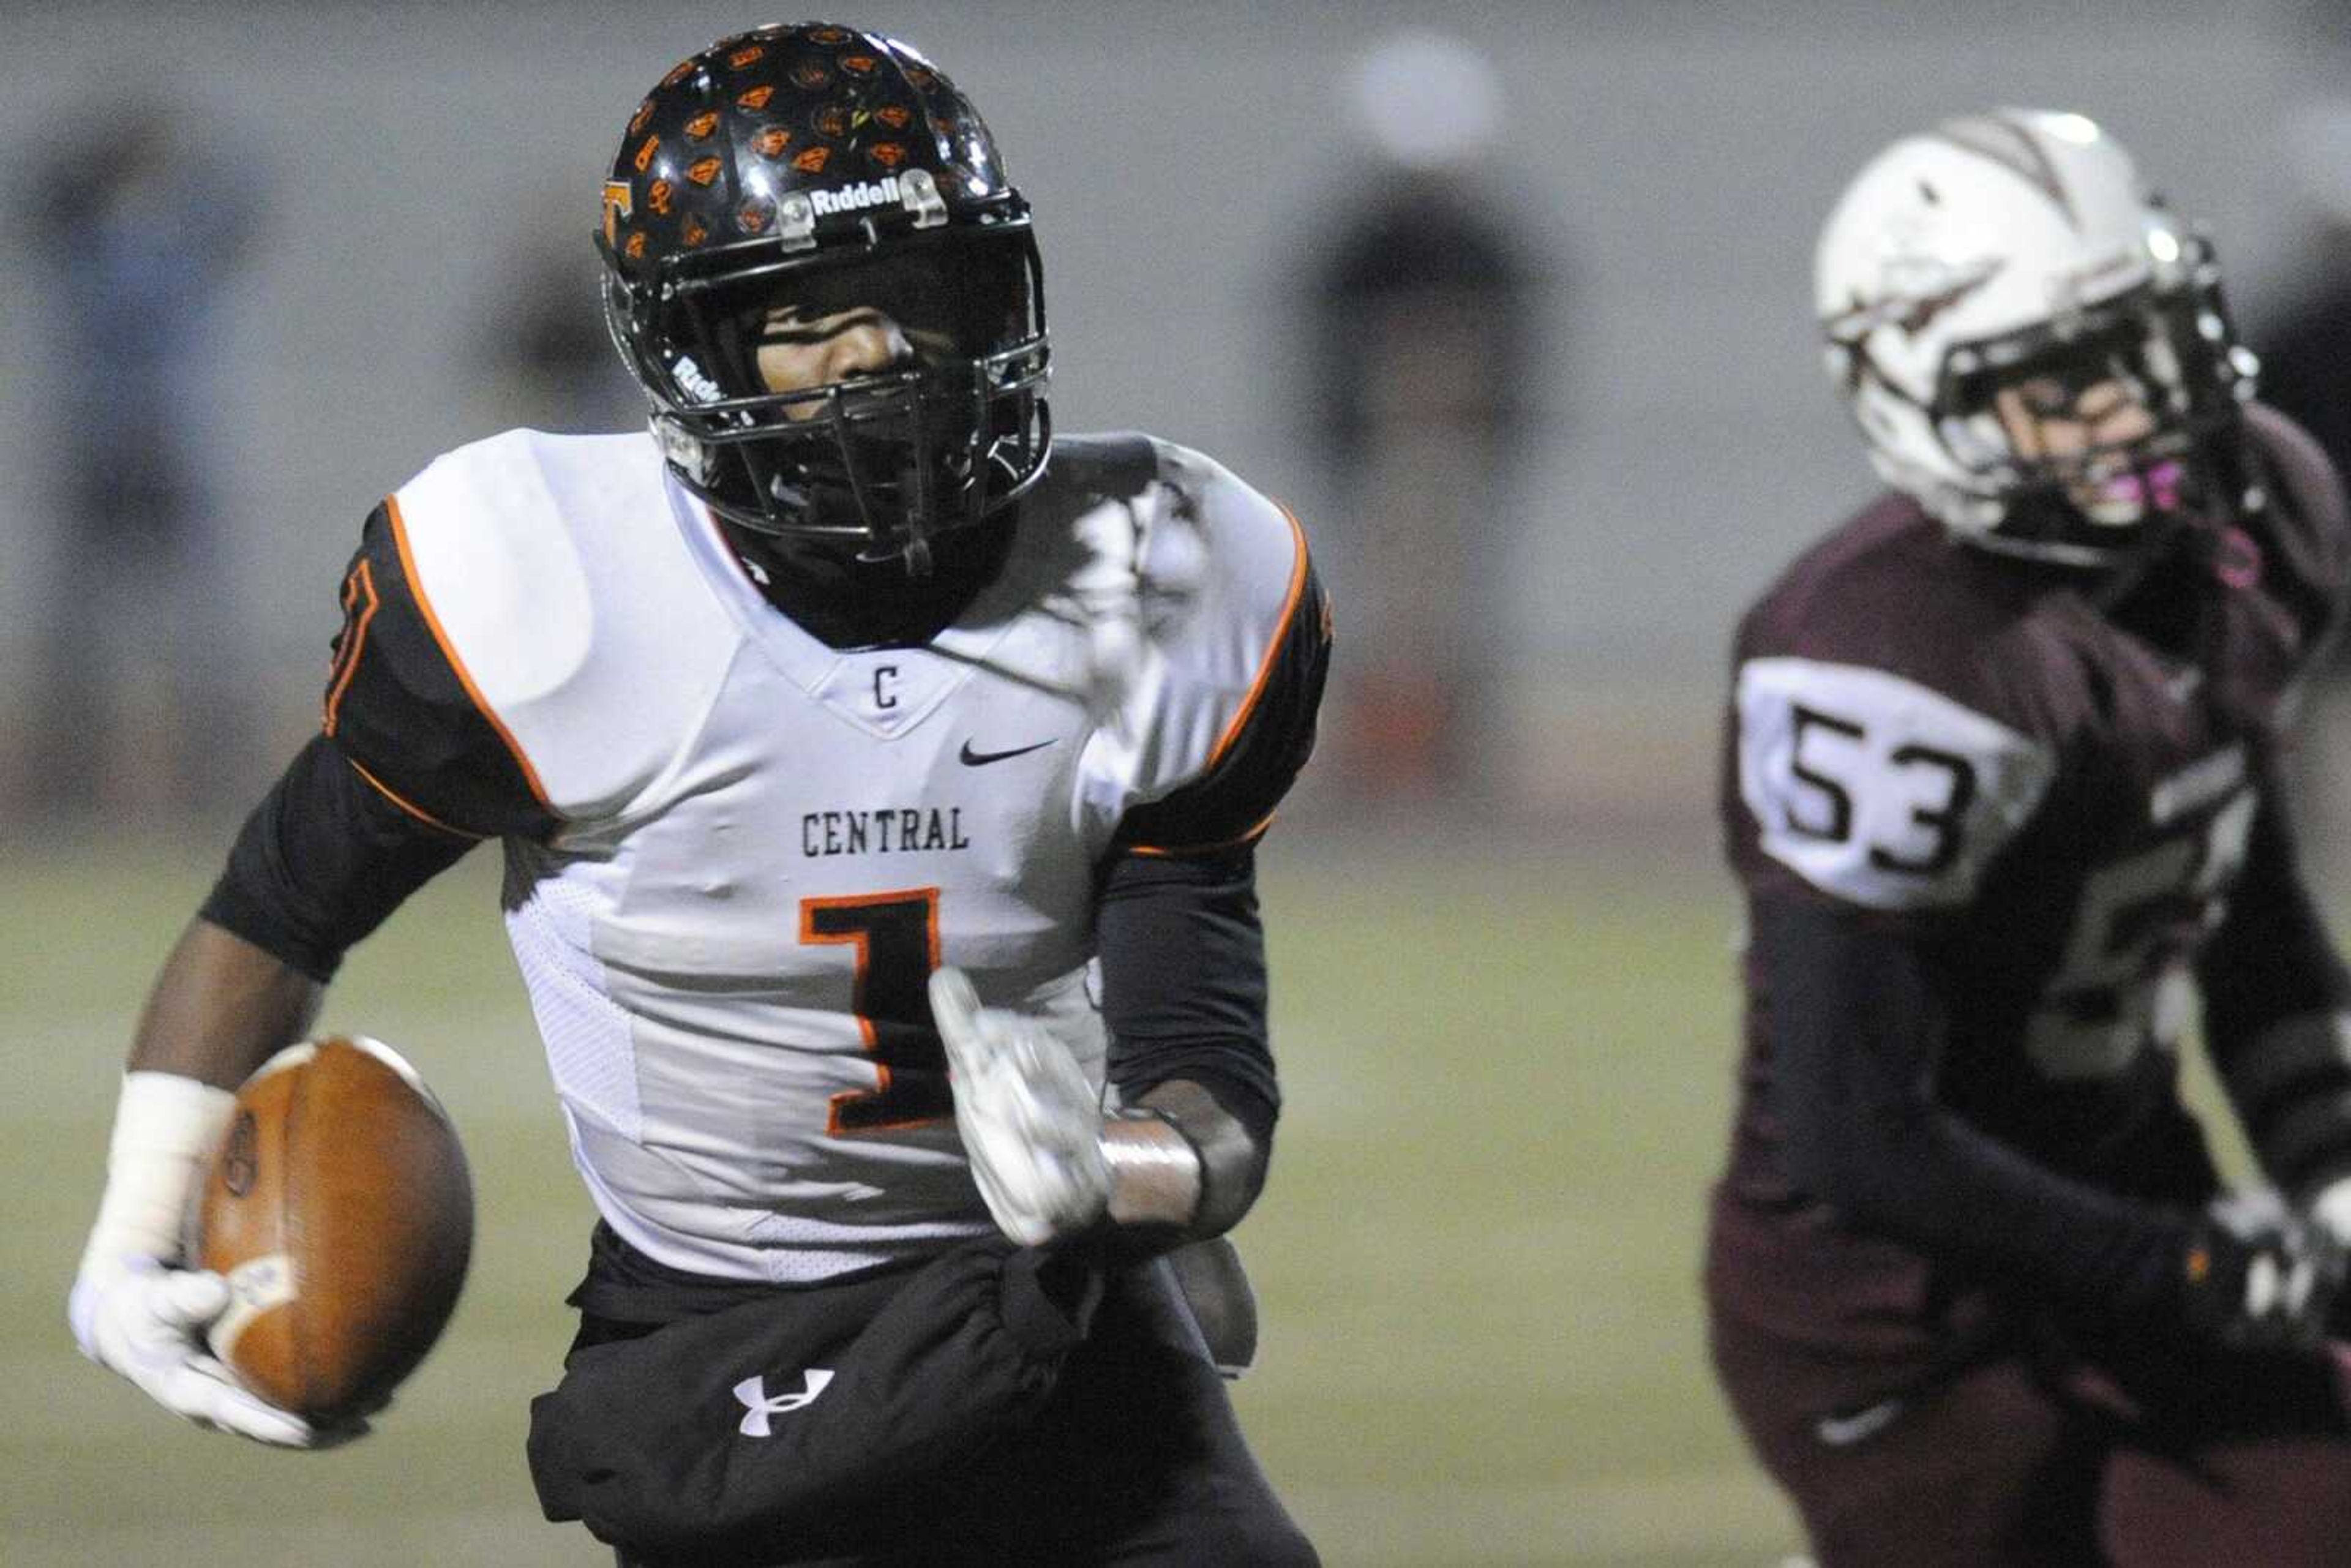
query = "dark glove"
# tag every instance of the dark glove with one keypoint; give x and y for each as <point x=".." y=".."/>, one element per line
<point x="2257" y="1276"/>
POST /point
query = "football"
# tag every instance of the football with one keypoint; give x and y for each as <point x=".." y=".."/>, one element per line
<point x="340" y="1211"/>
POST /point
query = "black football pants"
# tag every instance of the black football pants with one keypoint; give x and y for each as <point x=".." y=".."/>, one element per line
<point x="994" y="1406"/>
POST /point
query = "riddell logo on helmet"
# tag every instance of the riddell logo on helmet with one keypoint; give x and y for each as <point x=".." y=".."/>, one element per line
<point x="858" y="197"/>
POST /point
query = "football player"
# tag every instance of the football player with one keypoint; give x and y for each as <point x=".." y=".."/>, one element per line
<point x="2000" y="787"/>
<point x="877" y="775"/>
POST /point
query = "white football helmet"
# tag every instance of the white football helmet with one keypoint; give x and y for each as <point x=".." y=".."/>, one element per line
<point x="2014" y="249"/>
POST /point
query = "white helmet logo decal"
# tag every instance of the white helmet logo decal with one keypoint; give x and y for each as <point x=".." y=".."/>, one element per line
<point x="1915" y="290"/>
<point x="2013" y="148"/>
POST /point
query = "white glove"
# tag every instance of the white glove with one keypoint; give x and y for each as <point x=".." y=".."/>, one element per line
<point x="147" y="1321"/>
<point x="132" y="1308"/>
<point x="1031" y="1122"/>
<point x="2331" y="1207"/>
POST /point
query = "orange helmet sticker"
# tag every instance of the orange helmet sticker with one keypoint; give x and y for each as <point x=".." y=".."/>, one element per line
<point x="705" y="170"/>
<point x="897" y="115"/>
<point x="832" y="120"/>
<point x="918" y="77"/>
<point x="809" y="75"/>
<point x="699" y="128"/>
<point x="635" y="249"/>
<point x="754" y="97"/>
<point x="830" y="37"/>
<point x="749" y="56"/>
<point x="771" y="141"/>
<point x="657" y="197"/>
<point x="859" y="64"/>
<point x="751" y="218"/>
<point x="616" y="207"/>
<point x="644" y="159"/>
<point x="812" y="161"/>
<point x="678" y="73"/>
<point x="644" y="113"/>
<point x="694" y="231"/>
<point x="889" y="154"/>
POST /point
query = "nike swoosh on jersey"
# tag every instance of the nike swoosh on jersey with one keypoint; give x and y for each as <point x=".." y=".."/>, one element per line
<point x="971" y="759"/>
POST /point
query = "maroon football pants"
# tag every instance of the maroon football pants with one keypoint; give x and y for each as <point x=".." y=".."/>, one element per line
<point x="1925" y="1435"/>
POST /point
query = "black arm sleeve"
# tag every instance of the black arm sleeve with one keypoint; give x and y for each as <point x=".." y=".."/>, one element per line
<point x="2272" y="984"/>
<point x="322" y="861"/>
<point x="1230" y="803"/>
<point x="1858" y="1032"/>
<point x="1183" y="980"/>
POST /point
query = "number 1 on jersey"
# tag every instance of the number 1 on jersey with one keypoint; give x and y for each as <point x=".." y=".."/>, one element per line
<point x="896" y="935"/>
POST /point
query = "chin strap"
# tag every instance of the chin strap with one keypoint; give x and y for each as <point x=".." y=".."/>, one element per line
<point x="847" y="601"/>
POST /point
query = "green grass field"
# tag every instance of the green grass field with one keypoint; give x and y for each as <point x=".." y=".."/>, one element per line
<point x="1476" y="1261"/>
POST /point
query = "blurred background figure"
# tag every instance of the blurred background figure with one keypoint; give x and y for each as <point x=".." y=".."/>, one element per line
<point x="548" y="356"/>
<point x="1422" y="343"/>
<point x="135" y="699"/>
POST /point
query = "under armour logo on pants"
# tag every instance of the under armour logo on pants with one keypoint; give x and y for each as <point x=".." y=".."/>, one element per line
<point x="753" y="1392"/>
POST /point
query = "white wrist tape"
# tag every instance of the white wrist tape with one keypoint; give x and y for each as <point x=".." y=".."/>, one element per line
<point x="166" y="1129"/>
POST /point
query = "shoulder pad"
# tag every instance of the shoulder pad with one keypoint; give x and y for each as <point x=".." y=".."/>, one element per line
<point x="1201" y="576"/>
<point x="1876" y="788"/>
<point x="2305" y="532"/>
<point x="554" y="573"/>
<point x="1223" y="572"/>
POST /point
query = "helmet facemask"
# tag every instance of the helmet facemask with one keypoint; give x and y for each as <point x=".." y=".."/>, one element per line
<point x="881" y="461"/>
<point x="2032" y="346"/>
<point x="2095" y="429"/>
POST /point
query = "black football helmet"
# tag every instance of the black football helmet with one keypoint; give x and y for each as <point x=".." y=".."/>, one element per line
<point x="806" y="170"/>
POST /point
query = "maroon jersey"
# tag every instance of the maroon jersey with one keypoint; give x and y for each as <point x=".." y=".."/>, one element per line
<point x="2052" y="796"/>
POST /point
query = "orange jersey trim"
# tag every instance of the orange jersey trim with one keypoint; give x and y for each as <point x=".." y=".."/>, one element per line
<point x="449" y="652"/>
<point x="413" y="810"/>
<point x="360" y="605"/>
<point x="1273" y="649"/>
<point x="1179" y="851"/>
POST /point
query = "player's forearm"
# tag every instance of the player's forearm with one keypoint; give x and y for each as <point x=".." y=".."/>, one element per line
<point x="1185" y="994"/>
<point x="220" y="1007"/>
<point x="2273" y="957"/>
<point x="1856" y="1028"/>
<point x="1193" y="1167"/>
<point x="2277" y="1014"/>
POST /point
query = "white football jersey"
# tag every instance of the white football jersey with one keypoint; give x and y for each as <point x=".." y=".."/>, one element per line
<point x="765" y="846"/>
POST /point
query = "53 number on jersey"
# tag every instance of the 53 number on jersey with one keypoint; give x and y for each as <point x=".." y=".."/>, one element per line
<point x="1890" y="795"/>
<point x="1875" y="788"/>
<point x="2122" y="981"/>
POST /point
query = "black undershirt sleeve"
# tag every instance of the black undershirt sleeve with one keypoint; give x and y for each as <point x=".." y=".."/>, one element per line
<point x="1857" y="1033"/>
<point x="322" y="861"/>
<point x="2271" y="964"/>
<point x="2272" y="958"/>
<point x="1182" y="948"/>
<point x="1183" y="980"/>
